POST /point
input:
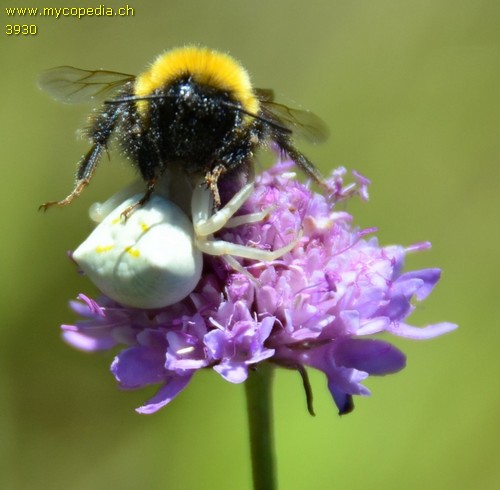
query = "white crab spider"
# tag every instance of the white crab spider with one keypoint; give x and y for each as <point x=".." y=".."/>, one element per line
<point x="154" y="258"/>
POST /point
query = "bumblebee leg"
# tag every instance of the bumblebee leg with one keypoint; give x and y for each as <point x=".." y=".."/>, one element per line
<point x="300" y="160"/>
<point x="211" y="178"/>
<point x="99" y="134"/>
<point x="147" y="196"/>
<point x="84" y="174"/>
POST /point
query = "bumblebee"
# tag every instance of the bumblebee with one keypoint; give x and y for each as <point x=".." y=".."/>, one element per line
<point x="194" y="109"/>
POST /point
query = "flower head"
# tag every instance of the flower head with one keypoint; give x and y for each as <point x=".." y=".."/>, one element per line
<point x="321" y="305"/>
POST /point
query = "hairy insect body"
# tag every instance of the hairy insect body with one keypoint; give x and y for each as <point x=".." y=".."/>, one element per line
<point x="194" y="109"/>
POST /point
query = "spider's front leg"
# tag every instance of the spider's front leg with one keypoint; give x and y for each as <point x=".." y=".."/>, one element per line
<point x="205" y="225"/>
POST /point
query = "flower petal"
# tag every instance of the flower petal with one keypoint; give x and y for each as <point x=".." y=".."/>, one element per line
<point x="139" y="366"/>
<point x="372" y="356"/>
<point x="166" y="394"/>
<point x="234" y="372"/>
<point x="421" y="333"/>
<point x="81" y="340"/>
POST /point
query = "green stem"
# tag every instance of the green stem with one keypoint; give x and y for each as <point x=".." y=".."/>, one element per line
<point x="260" y="422"/>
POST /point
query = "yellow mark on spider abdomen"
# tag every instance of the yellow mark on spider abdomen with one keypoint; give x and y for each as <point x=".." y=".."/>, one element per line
<point x="104" y="248"/>
<point x="133" y="252"/>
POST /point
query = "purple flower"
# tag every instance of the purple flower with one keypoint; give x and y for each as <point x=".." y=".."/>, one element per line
<point x="320" y="305"/>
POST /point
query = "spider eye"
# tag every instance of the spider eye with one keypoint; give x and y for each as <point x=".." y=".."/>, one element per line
<point x="149" y="260"/>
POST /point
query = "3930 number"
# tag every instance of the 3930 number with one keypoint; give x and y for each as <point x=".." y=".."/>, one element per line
<point x="20" y="29"/>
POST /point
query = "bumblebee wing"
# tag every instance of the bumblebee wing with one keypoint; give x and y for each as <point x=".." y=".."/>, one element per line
<point x="73" y="85"/>
<point x="303" y="124"/>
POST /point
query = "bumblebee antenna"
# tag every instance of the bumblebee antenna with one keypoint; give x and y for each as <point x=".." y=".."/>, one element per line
<point x="273" y="124"/>
<point x="134" y="98"/>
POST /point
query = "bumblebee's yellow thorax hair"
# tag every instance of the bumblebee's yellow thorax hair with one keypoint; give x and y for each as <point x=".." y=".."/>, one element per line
<point x="205" y="66"/>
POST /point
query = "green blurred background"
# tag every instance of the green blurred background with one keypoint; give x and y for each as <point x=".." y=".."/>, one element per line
<point x="410" y="90"/>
